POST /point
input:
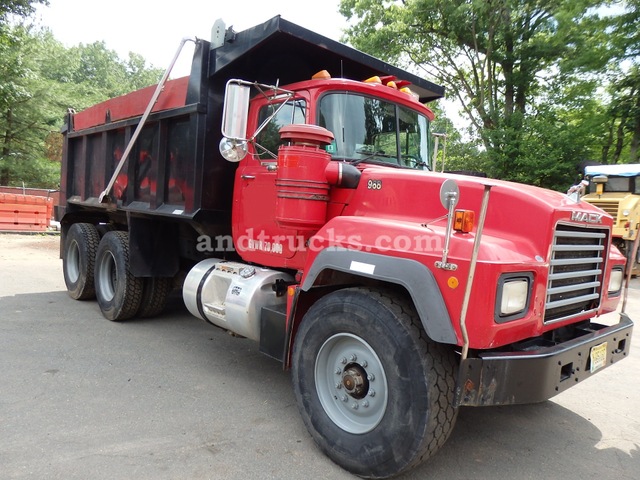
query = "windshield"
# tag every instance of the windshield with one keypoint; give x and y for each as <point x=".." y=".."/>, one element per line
<point x="375" y="131"/>
<point x="618" y="184"/>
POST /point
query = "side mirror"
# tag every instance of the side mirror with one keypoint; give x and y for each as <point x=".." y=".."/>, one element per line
<point x="235" y="116"/>
<point x="449" y="197"/>
<point x="235" y="112"/>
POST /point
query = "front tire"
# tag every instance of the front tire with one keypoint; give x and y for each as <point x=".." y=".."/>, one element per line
<point x="374" y="392"/>
<point x="118" y="292"/>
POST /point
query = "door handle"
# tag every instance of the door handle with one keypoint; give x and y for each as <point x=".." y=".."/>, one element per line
<point x="248" y="177"/>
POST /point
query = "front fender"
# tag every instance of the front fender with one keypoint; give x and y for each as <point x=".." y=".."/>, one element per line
<point x="411" y="274"/>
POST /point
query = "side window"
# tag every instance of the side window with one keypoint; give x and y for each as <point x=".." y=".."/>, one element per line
<point x="269" y="138"/>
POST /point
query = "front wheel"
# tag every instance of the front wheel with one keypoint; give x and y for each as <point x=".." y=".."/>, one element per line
<point x="374" y="392"/>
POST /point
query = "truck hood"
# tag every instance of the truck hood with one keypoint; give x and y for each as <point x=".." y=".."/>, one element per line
<point x="520" y="217"/>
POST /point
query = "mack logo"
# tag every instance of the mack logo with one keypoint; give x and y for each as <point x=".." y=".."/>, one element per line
<point x="586" y="217"/>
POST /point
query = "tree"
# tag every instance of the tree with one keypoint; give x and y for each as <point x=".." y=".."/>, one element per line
<point x="40" y="80"/>
<point x="623" y="122"/>
<point x="624" y="109"/>
<point x="498" y="58"/>
<point x="18" y="123"/>
<point x="458" y="154"/>
<point x="19" y="8"/>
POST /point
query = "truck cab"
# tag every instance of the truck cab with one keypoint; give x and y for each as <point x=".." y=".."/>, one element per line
<point x="373" y="123"/>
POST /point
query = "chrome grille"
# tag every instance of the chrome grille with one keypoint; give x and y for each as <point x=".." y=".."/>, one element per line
<point x="575" y="273"/>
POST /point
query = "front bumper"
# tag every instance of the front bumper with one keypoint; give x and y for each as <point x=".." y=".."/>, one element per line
<point x="509" y="378"/>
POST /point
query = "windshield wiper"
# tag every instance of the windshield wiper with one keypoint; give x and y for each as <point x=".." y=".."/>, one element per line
<point x="370" y="156"/>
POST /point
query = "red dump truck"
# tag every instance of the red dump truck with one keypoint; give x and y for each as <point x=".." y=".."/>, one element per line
<point x="284" y="188"/>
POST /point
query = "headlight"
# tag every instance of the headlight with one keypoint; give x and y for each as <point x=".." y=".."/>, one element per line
<point x="514" y="293"/>
<point x="615" y="281"/>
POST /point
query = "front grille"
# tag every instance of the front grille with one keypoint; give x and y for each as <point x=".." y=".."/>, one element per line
<point x="575" y="273"/>
<point x="609" y="206"/>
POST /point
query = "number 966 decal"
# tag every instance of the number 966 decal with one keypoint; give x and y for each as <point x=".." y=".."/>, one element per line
<point x="374" y="184"/>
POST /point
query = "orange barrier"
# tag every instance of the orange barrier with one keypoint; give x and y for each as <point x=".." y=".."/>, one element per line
<point x="25" y="212"/>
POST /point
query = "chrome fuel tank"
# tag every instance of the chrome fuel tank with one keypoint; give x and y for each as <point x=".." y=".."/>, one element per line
<point x="231" y="295"/>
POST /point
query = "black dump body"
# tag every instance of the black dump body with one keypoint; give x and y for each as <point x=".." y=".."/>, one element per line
<point x="175" y="174"/>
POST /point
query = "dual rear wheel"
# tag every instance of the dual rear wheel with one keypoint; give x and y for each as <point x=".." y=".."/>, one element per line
<point x="99" y="267"/>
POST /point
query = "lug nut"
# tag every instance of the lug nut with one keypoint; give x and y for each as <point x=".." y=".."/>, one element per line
<point x="344" y="360"/>
<point x="372" y="392"/>
<point x="365" y="404"/>
<point x="339" y="385"/>
<point x="353" y="357"/>
<point x="355" y="406"/>
<point x="344" y="398"/>
<point x="371" y="377"/>
<point x="364" y="364"/>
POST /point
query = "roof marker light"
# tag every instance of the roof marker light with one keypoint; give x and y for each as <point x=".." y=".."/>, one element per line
<point x="374" y="79"/>
<point x="411" y="93"/>
<point x="321" y="75"/>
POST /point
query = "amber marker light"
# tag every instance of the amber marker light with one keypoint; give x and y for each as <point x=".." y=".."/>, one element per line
<point x="453" y="282"/>
<point x="321" y="75"/>
<point x="411" y="93"/>
<point x="463" y="220"/>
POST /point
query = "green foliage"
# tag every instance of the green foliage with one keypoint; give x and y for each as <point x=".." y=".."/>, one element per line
<point x="626" y="38"/>
<point x="459" y="154"/>
<point x="19" y="8"/>
<point x="530" y="75"/>
<point x="33" y="173"/>
<point x="40" y="80"/>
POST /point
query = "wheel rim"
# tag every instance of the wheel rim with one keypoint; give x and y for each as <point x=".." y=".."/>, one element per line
<point x="73" y="261"/>
<point x="351" y="383"/>
<point x="107" y="276"/>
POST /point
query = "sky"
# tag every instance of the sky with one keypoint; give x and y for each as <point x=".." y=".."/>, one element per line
<point x="154" y="29"/>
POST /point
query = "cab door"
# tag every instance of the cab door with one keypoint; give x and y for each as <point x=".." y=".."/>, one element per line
<point x="257" y="236"/>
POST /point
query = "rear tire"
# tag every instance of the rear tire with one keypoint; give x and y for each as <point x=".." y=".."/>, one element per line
<point x="119" y="293"/>
<point x="374" y="392"/>
<point x="78" y="260"/>
<point x="154" y="296"/>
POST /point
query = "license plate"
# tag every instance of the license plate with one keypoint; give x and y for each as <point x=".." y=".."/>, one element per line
<point x="598" y="356"/>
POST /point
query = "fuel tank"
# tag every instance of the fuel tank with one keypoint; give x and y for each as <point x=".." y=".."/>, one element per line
<point x="231" y="295"/>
